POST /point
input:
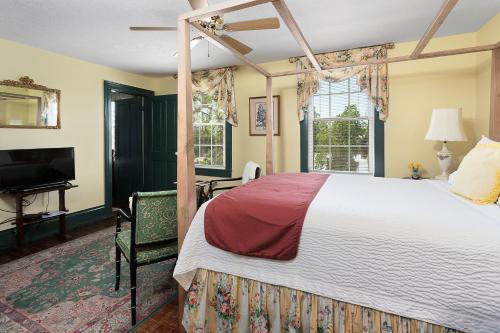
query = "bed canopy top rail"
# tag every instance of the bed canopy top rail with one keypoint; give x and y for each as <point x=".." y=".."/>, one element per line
<point x="287" y="17"/>
<point x="186" y="198"/>
<point x="435" y="54"/>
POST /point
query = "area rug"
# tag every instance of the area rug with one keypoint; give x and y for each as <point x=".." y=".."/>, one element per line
<point x="70" y="288"/>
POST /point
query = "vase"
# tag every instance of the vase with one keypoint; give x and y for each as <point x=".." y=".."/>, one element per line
<point x="415" y="174"/>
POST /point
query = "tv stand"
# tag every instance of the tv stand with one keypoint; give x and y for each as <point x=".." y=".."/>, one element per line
<point x="22" y="219"/>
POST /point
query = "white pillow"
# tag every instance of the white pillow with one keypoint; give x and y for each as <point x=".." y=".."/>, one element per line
<point x="486" y="140"/>
<point x="451" y="177"/>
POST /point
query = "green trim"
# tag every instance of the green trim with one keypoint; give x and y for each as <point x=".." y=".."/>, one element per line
<point x="51" y="227"/>
<point x="378" y="148"/>
<point x="227" y="171"/>
<point x="304" y="142"/>
<point x="108" y="87"/>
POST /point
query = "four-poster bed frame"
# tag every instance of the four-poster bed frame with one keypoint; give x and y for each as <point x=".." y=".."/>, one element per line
<point x="186" y="195"/>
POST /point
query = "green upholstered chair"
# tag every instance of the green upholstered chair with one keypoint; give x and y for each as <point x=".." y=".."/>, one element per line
<point x="152" y="236"/>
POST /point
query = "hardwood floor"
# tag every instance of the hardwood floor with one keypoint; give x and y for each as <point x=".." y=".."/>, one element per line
<point x="42" y="244"/>
<point x="163" y="321"/>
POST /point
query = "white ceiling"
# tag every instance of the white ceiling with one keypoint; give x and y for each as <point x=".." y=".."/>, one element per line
<point x="97" y="30"/>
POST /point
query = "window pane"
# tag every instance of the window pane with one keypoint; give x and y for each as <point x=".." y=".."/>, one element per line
<point x="217" y="134"/>
<point x="359" y="132"/>
<point x="205" y="134"/>
<point x="321" y="132"/>
<point x="340" y="87"/>
<point x="339" y="132"/>
<point x="205" y="155"/>
<point x="321" y="106"/>
<point x="359" y="159"/>
<point x="340" y="158"/>
<point x="321" y="158"/>
<point x="339" y="104"/>
<point x="324" y="88"/>
<point x="217" y="116"/>
<point x="218" y="156"/>
<point x="196" y="134"/>
<point x="360" y="100"/>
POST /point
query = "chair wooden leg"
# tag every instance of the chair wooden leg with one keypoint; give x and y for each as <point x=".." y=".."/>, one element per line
<point x="118" y="261"/>
<point x="133" y="284"/>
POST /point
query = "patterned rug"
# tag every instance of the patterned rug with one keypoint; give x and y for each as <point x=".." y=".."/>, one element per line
<point x="70" y="288"/>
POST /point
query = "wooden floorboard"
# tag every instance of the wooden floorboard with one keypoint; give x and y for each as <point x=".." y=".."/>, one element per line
<point x="163" y="321"/>
<point x="36" y="246"/>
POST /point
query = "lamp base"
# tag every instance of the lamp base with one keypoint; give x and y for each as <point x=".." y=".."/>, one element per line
<point x="444" y="157"/>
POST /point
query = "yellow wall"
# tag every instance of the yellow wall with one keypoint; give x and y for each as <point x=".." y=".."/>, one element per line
<point x="415" y="88"/>
<point x="82" y="116"/>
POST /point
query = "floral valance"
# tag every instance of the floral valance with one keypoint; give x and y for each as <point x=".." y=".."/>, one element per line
<point x="219" y="84"/>
<point x="371" y="78"/>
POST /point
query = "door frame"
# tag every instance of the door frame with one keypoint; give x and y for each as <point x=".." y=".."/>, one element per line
<point x="108" y="163"/>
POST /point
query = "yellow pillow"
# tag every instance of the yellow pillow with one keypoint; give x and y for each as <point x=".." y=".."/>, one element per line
<point x="478" y="176"/>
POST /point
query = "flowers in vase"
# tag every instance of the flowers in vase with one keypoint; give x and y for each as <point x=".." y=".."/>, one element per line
<point x="416" y="169"/>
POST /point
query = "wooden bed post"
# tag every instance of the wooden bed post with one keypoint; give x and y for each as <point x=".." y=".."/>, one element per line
<point x="269" y="126"/>
<point x="186" y="192"/>
<point x="495" y="95"/>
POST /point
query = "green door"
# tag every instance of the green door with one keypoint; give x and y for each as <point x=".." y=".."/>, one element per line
<point x="127" y="155"/>
<point x="160" y="143"/>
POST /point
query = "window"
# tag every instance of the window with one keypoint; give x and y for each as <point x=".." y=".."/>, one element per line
<point x="340" y="129"/>
<point x="212" y="137"/>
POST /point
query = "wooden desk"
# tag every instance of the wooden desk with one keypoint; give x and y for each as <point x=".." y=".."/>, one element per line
<point x="21" y="221"/>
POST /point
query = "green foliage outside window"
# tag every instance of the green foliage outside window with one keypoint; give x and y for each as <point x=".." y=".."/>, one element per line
<point x="209" y="125"/>
<point x="340" y="144"/>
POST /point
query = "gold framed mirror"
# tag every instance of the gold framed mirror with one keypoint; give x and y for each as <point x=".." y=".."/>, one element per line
<point x="25" y="104"/>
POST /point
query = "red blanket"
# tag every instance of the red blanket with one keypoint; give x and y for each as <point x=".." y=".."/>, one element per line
<point x="264" y="217"/>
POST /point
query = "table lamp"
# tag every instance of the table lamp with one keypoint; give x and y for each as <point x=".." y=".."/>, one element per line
<point x="446" y="125"/>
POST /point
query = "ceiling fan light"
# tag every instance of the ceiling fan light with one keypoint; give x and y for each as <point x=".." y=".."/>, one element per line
<point x="195" y="41"/>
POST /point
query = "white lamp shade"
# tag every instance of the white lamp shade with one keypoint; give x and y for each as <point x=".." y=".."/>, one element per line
<point x="446" y="125"/>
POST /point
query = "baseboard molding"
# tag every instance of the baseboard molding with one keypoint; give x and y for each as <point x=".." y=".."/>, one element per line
<point x="51" y="227"/>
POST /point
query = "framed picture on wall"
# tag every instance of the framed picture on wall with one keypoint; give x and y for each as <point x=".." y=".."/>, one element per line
<point x="258" y="110"/>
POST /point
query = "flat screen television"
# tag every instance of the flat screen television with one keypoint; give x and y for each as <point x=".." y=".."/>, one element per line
<point x="23" y="168"/>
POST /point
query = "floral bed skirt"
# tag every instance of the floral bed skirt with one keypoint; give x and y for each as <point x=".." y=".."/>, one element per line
<point x="220" y="303"/>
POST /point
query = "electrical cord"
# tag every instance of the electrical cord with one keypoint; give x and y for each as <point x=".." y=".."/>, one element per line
<point x="10" y="219"/>
<point x="48" y="200"/>
<point x="27" y="203"/>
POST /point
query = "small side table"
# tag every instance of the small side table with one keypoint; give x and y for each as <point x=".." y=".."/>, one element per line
<point x="21" y="221"/>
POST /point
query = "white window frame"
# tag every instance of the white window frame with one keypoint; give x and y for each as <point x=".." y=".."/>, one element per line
<point x="371" y="125"/>
<point x="198" y="145"/>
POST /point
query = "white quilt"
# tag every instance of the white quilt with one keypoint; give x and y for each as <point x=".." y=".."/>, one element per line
<point x="399" y="246"/>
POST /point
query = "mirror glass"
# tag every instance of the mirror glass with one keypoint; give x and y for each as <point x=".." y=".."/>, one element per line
<point x="24" y="104"/>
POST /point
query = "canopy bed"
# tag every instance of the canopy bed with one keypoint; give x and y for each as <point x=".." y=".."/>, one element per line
<point x="350" y="292"/>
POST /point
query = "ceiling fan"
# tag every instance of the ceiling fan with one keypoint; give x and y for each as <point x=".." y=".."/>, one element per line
<point x="217" y="26"/>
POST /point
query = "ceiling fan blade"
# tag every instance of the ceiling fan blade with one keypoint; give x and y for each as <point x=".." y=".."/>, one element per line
<point x="197" y="4"/>
<point x="237" y="45"/>
<point x="153" y="28"/>
<point x="260" y="24"/>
